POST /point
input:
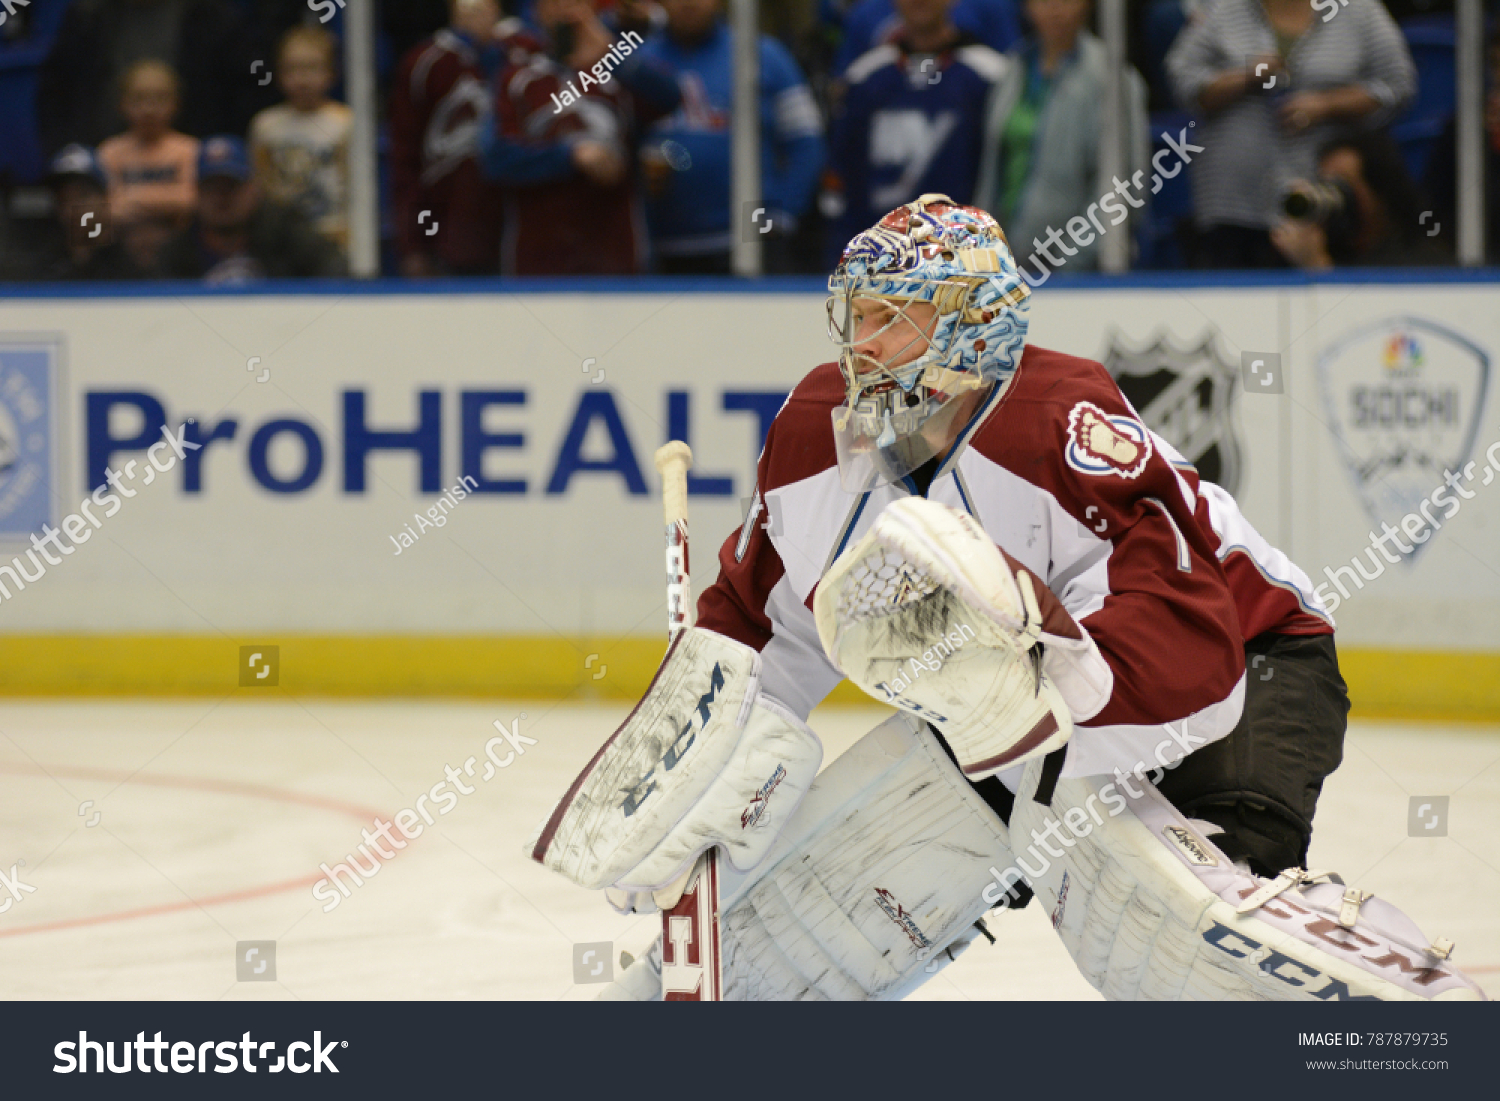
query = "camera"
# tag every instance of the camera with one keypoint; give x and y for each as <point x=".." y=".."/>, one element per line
<point x="1328" y="203"/>
<point x="1320" y="201"/>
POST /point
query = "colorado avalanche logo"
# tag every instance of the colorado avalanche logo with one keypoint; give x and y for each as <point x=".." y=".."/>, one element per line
<point x="1101" y="443"/>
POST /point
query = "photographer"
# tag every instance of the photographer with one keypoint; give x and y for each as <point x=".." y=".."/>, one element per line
<point x="1363" y="209"/>
<point x="1271" y="82"/>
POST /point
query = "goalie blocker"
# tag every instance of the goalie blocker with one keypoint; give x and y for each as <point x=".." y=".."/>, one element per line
<point x="704" y="759"/>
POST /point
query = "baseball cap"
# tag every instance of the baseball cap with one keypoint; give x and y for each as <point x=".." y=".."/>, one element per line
<point x="223" y="155"/>
<point x="77" y="160"/>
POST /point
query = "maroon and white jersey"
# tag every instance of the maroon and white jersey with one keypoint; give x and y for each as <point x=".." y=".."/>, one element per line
<point x="440" y="99"/>
<point x="1271" y="592"/>
<point x="569" y="225"/>
<point x="1064" y="477"/>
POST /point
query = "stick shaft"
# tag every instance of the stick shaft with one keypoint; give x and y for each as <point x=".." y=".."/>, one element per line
<point x="673" y="462"/>
<point x="692" y="926"/>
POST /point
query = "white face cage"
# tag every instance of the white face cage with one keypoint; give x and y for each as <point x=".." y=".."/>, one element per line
<point x="897" y="414"/>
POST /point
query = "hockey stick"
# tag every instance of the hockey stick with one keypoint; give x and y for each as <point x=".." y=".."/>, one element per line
<point x="690" y="966"/>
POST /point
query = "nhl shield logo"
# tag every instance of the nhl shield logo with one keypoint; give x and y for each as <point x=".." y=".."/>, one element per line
<point x="1404" y="397"/>
<point x="28" y="370"/>
<point x="1185" y="396"/>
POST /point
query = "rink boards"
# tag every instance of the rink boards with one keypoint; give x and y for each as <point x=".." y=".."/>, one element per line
<point x="453" y="492"/>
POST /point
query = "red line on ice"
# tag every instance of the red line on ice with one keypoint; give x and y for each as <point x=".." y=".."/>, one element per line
<point x="228" y="787"/>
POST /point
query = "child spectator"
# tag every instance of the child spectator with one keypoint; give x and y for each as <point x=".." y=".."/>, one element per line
<point x="239" y="236"/>
<point x="447" y="214"/>
<point x="688" y="155"/>
<point x="910" y="120"/>
<point x="151" y="167"/>
<point x="207" y="42"/>
<point x="300" y="148"/>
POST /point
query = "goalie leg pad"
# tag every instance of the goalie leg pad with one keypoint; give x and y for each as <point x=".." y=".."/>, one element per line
<point x="873" y="888"/>
<point x="702" y="760"/>
<point x="881" y="872"/>
<point x="1149" y="909"/>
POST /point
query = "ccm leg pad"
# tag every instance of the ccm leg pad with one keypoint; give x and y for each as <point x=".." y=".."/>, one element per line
<point x="881" y="871"/>
<point x="1150" y="909"/>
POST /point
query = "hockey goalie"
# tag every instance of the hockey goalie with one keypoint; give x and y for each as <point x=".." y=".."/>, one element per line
<point x="983" y="535"/>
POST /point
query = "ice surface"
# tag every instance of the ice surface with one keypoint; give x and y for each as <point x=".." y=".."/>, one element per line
<point x="214" y="816"/>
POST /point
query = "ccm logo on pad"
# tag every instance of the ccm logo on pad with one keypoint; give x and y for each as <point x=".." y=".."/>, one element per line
<point x="638" y="791"/>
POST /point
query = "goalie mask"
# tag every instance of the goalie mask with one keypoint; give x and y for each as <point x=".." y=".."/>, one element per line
<point x="896" y="415"/>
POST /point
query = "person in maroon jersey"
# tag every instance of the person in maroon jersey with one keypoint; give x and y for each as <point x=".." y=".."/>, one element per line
<point x="985" y="536"/>
<point x="447" y="213"/>
<point x="936" y="393"/>
<point x="569" y="109"/>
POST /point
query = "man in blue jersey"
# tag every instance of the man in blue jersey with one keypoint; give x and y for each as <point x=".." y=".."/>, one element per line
<point x="686" y="155"/>
<point x="908" y="120"/>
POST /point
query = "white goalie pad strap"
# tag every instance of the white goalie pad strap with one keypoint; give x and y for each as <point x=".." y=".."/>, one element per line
<point x="1149" y="909"/>
<point x="701" y="760"/>
<point x="1082" y="676"/>
<point x="882" y="870"/>
<point x="925" y="613"/>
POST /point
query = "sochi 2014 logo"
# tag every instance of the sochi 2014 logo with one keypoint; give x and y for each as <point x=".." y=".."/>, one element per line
<point x="1103" y="443"/>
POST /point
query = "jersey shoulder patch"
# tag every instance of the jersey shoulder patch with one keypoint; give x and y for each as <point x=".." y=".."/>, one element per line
<point x="1101" y="443"/>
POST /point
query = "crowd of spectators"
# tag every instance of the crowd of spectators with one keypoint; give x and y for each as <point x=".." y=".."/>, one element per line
<point x="207" y="139"/>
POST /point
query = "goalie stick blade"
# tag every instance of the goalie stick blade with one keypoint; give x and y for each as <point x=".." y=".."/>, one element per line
<point x="691" y="970"/>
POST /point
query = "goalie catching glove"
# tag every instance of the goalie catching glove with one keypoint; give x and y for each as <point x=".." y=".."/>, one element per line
<point x="927" y="614"/>
<point x="704" y="759"/>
